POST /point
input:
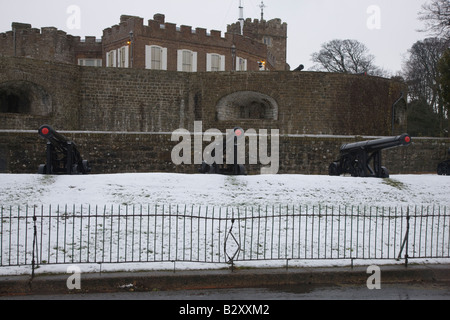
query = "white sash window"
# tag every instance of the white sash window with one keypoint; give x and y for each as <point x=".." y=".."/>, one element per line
<point x="111" y="59"/>
<point x="187" y="61"/>
<point x="215" y="62"/>
<point x="155" y="58"/>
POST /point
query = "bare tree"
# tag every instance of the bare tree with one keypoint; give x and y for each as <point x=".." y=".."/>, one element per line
<point x="436" y="15"/>
<point x="345" y="56"/>
<point x="421" y="70"/>
<point x="444" y="79"/>
<point x="422" y="75"/>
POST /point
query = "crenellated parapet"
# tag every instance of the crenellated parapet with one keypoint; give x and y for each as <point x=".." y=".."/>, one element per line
<point x="129" y="44"/>
<point x="133" y="32"/>
<point x="272" y="33"/>
<point x="47" y="43"/>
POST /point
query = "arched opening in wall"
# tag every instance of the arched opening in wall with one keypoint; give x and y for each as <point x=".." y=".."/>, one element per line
<point x="24" y="97"/>
<point x="247" y="105"/>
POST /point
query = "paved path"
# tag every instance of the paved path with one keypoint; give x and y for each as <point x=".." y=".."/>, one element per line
<point x="293" y="280"/>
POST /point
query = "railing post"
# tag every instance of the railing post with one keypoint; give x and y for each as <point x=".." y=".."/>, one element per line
<point x="230" y="233"/>
<point x="405" y="240"/>
<point x="35" y="245"/>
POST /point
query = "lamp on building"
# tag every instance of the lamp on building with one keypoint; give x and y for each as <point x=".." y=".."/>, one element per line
<point x="130" y="43"/>
<point x="262" y="65"/>
<point x="233" y="57"/>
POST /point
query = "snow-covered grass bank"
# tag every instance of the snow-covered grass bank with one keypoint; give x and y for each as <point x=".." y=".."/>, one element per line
<point x="299" y="237"/>
<point x="223" y="191"/>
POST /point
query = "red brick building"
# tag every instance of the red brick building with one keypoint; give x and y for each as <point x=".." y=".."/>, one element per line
<point x="157" y="45"/>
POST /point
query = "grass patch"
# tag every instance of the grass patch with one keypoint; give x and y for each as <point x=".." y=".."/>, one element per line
<point x="394" y="183"/>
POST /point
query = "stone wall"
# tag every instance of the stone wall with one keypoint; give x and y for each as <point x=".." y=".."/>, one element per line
<point x="53" y="91"/>
<point x="107" y="152"/>
<point x="114" y="99"/>
<point x="122" y="118"/>
<point x="133" y="100"/>
<point x="47" y="43"/>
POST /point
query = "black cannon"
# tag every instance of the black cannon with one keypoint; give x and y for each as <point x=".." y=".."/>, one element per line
<point x="63" y="156"/>
<point x="444" y="167"/>
<point x="227" y="169"/>
<point x="356" y="157"/>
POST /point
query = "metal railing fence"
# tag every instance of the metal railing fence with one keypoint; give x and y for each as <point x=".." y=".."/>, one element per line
<point x="133" y="234"/>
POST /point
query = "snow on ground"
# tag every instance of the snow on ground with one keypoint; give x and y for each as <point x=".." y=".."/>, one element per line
<point x="217" y="190"/>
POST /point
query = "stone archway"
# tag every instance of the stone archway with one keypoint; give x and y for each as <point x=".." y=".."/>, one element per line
<point x="24" y="97"/>
<point x="247" y="105"/>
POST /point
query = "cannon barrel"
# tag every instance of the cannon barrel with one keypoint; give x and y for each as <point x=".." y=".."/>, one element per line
<point x="57" y="139"/>
<point x="356" y="157"/>
<point x="379" y="144"/>
<point x="62" y="154"/>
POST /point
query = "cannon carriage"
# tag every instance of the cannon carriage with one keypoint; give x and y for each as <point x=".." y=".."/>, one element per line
<point x="62" y="155"/>
<point x="235" y="168"/>
<point x="363" y="159"/>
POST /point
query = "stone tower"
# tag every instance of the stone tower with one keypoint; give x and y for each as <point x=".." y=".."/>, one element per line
<point x="273" y="33"/>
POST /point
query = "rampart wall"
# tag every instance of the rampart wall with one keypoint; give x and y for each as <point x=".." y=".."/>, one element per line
<point x="122" y="119"/>
<point x="126" y="100"/>
<point x="115" y="152"/>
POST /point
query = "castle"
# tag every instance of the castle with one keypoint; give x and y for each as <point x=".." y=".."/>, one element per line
<point x="121" y="97"/>
<point x="159" y="45"/>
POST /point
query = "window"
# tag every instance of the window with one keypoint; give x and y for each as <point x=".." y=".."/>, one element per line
<point x="111" y="59"/>
<point x="118" y="58"/>
<point x="90" y="62"/>
<point x="187" y="61"/>
<point x="267" y="41"/>
<point x="215" y="62"/>
<point x="241" y="64"/>
<point x="155" y="58"/>
<point x="123" y="57"/>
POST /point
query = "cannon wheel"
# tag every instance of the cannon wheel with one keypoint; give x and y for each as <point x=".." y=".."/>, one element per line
<point x="384" y="172"/>
<point x="204" y="168"/>
<point x="443" y="169"/>
<point x="242" y="170"/>
<point x="333" y="169"/>
<point x="75" y="169"/>
<point x="42" y="169"/>
<point x="208" y="169"/>
<point x="86" y="168"/>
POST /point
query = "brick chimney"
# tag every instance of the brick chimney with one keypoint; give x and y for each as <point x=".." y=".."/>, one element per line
<point x="160" y="18"/>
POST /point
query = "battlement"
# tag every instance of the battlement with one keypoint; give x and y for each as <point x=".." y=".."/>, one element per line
<point x="272" y="33"/>
<point x="274" y="27"/>
<point x="172" y="37"/>
<point x="47" y="43"/>
<point x="25" y="29"/>
<point x="159" y="28"/>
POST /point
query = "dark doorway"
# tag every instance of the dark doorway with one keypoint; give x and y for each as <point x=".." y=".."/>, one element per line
<point x="14" y="101"/>
<point x="24" y="97"/>
<point x="247" y="105"/>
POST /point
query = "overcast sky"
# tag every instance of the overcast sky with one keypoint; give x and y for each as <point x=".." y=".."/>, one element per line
<point x="387" y="27"/>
